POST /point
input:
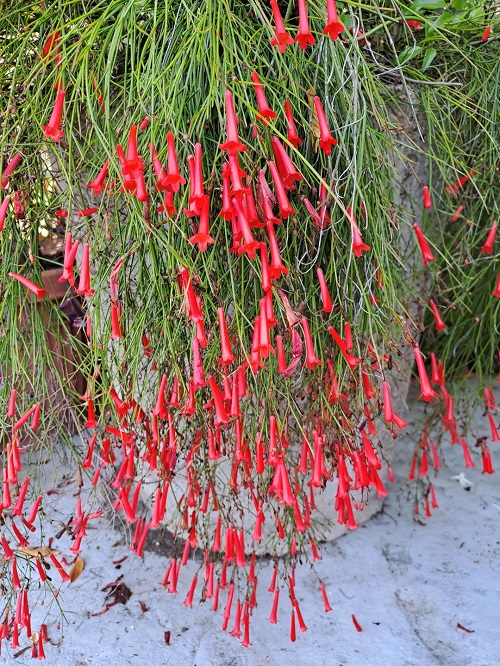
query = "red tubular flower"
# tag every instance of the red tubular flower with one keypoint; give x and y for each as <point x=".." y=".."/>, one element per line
<point x="227" y="355"/>
<point x="168" y="206"/>
<point x="281" y="354"/>
<point x="133" y="163"/>
<point x="440" y="325"/>
<point x="304" y="36"/>
<point x="457" y="185"/>
<point x="36" y="416"/>
<point x="348" y="336"/>
<point x="457" y="213"/>
<point x="494" y="432"/>
<point x="287" y="170"/>
<point x="311" y="359"/>
<point x="194" y="308"/>
<point x="281" y="38"/>
<point x="326" y="140"/>
<point x="266" y="278"/>
<point x="198" y="374"/>
<point x="325" y="294"/>
<point x="197" y="193"/>
<point x="173" y="180"/>
<point x="293" y="631"/>
<point x="367" y="387"/>
<point x="86" y="212"/>
<point x="328" y="608"/>
<point x="333" y="26"/>
<point x="227" y="609"/>
<point x="227" y="209"/>
<point x="220" y="410"/>
<point x="488" y="245"/>
<point x="467" y="458"/>
<point x="233" y="143"/>
<point x="250" y="246"/>
<point x="264" y="345"/>
<point x="486" y="34"/>
<point x="292" y="135"/>
<point x="274" y="611"/>
<point x="84" y="284"/>
<point x="246" y="626"/>
<point x="3" y="211"/>
<point x="188" y="601"/>
<point x="252" y="215"/>
<point x="424" y="246"/>
<point x="116" y="331"/>
<point x="9" y="169"/>
<point x="356" y="623"/>
<point x="352" y="360"/>
<point x="277" y="267"/>
<point x="51" y="46"/>
<point x="496" y="292"/>
<point x="158" y="167"/>
<point x="283" y="202"/>
<point x="129" y="183"/>
<point x="265" y="111"/>
<point x="38" y="291"/>
<point x="53" y="129"/>
<point x="427" y="198"/>
<point x="202" y="237"/>
<point x="386" y="393"/>
<point x="98" y="183"/>
<point x="487" y="464"/>
<point x="357" y="247"/>
<point x="237" y="173"/>
<point x="70" y="250"/>
<point x="426" y="390"/>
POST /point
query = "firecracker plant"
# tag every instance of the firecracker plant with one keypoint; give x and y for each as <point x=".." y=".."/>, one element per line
<point x="222" y="182"/>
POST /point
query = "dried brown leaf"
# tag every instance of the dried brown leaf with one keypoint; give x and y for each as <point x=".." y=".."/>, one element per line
<point x="40" y="551"/>
<point x="77" y="568"/>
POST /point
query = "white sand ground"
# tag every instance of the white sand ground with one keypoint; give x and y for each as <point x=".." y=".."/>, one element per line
<point x="408" y="584"/>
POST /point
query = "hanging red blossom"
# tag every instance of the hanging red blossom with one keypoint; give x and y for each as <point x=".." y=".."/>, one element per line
<point x="98" y="183"/>
<point x="427" y="198"/>
<point x="281" y="38"/>
<point x="53" y="129"/>
<point x="40" y="292"/>
<point x="424" y="246"/>
<point x="304" y="36"/>
<point x="292" y="135"/>
<point x="333" y="26"/>
<point x="326" y="140"/>
<point x="325" y="294"/>
<point x="265" y="112"/>
<point x="233" y="143"/>
<point x="490" y="240"/>
<point x="84" y="283"/>
<point x="440" y="325"/>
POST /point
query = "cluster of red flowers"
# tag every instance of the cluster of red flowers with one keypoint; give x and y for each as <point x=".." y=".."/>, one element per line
<point x="280" y="480"/>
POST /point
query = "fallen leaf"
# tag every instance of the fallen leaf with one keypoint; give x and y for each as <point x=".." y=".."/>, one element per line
<point x="40" y="551"/>
<point x="461" y="626"/>
<point x="77" y="568"/>
<point x="119" y="592"/>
